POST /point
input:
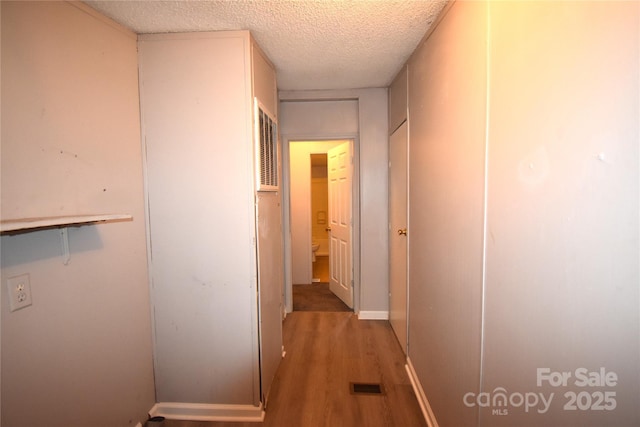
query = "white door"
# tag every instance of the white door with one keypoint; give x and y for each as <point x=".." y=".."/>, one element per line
<point x="340" y="183"/>
<point x="398" y="234"/>
<point x="270" y="284"/>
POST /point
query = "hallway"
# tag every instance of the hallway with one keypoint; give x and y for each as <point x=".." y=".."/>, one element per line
<point x="325" y="352"/>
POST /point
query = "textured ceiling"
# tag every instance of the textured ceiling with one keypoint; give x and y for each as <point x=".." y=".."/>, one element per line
<point x="322" y="44"/>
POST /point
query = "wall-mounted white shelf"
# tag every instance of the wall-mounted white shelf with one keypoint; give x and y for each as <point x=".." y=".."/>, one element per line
<point x="26" y="224"/>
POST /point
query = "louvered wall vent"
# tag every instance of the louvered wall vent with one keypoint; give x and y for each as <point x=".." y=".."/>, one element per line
<point x="267" y="150"/>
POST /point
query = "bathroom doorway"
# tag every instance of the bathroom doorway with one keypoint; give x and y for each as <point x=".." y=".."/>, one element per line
<point x="310" y="228"/>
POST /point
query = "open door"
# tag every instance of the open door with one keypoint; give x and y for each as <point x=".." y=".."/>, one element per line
<point x="398" y="234"/>
<point x="339" y="166"/>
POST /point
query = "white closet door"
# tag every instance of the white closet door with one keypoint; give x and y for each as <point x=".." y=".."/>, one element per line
<point x="398" y="242"/>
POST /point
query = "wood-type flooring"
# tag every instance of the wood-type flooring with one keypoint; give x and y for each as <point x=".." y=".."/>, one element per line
<point x="316" y="297"/>
<point x="325" y="351"/>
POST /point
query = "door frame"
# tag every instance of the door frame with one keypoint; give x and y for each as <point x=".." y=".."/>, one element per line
<point x="286" y="213"/>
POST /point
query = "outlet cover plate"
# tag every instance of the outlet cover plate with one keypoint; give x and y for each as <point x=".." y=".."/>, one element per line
<point x="19" y="288"/>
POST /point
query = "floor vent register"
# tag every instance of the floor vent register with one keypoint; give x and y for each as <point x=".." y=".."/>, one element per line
<point x="366" y="388"/>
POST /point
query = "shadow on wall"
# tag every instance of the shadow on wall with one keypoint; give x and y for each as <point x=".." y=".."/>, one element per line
<point x="26" y="247"/>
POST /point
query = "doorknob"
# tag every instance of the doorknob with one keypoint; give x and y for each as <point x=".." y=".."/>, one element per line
<point x="327" y="229"/>
<point x="402" y="232"/>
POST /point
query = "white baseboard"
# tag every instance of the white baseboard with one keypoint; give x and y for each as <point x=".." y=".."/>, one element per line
<point x="422" y="398"/>
<point x="207" y="412"/>
<point x="373" y="315"/>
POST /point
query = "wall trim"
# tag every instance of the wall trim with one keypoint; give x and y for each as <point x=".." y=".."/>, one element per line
<point x="429" y="417"/>
<point x="373" y="315"/>
<point x="207" y="412"/>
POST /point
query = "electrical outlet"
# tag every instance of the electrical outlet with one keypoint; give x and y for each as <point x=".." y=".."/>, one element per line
<point x="19" y="292"/>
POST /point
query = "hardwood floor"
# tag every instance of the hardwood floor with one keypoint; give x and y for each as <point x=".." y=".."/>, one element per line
<point x="325" y="352"/>
<point x="316" y="297"/>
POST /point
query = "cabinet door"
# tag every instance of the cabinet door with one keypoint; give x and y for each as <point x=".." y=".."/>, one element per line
<point x="270" y="286"/>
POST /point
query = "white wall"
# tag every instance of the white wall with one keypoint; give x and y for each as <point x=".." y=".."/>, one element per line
<point x="524" y="218"/>
<point x="200" y="184"/>
<point x="81" y="354"/>
<point x="300" y="118"/>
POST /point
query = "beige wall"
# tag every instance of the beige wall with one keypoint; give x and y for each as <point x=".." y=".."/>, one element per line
<point x="446" y="151"/>
<point x="81" y="354"/>
<point x="562" y="204"/>
<point x="524" y="184"/>
<point x="319" y="203"/>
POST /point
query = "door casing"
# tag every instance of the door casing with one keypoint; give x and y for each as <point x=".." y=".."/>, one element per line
<point x="355" y="203"/>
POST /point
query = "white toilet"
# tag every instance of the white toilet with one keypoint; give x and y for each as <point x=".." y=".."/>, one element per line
<point x="314" y="248"/>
